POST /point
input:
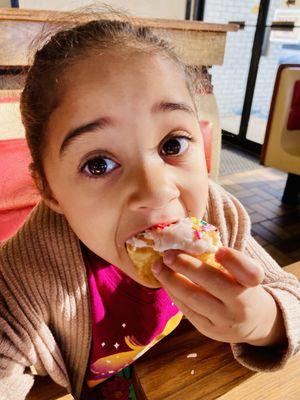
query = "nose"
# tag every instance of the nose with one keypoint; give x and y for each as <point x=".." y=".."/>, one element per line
<point x="154" y="187"/>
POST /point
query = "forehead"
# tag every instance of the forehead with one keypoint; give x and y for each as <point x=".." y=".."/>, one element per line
<point x="112" y="76"/>
<point x="121" y="87"/>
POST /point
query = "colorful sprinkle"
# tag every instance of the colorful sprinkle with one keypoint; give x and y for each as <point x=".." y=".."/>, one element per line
<point x="160" y="226"/>
<point x="198" y="234"/>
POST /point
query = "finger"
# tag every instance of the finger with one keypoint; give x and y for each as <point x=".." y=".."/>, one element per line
<point x="190" y="294"/>
<point x="246" y="271"/>
<point x="201" y="322"/>
<point x="216" y="282"/>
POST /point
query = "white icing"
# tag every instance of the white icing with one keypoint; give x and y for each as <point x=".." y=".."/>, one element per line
<point x="179" y="235"/>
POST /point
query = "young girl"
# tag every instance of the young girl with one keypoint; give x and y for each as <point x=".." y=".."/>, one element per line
<point x="116" y="146"/>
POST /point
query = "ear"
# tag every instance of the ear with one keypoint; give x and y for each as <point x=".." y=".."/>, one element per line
<point x="52" y="203"/>
<point x="47" y="195"/>
<point x="206" y="130"/>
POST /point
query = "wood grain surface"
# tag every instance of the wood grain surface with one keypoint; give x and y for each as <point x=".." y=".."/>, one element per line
<point x="166" y="372"/>
<point x="17" y="14"/>
<point x="197" y="43"/>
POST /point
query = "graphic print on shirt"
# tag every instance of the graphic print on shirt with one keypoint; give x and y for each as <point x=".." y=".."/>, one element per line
<point x="108" y="366"/>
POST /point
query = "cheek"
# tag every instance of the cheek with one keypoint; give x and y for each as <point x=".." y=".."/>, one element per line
<point x="95" y="228"/>
<point x="87" y="208"/>
<point x="92" y="213"/>
<point x="195" y="195"/>
<point x="195" y="184"/>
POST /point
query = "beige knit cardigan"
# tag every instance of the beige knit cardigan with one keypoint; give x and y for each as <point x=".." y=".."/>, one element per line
<point x="45" y="316"/>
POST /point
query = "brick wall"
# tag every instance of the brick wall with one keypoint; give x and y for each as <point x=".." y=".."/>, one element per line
<point x="230" y="79"/>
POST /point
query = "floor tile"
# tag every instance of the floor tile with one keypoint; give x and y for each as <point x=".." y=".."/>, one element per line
<point x="260" y="192"/>
<point x="294" y="229"/>
<point x="251" y="185"/>
<point x="242" y="193"/>
<point x="276" y="229"/>
<point x="277" y="209"/>
<point x="263" y="210"/>
<point x="289" y="245"/>
<point x="254" y="199"/>
<point x="260" y="230"/>
<point x="257" y="217"/>
<point x="295" y="255"/>
<point x="260" y="240"/>
<point x="287" y="219"/>
<point x="280" y="257"/>
<point x="275" y="226"/>
<point x="249" y="209"/>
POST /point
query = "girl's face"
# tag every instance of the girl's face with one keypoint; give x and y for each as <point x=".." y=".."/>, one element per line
<point x="124" y="151"/>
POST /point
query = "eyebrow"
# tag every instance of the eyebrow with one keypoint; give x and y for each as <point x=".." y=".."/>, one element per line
<point x="104" y="122"/>
<point x="170" y="106"/>
<point x="93" y="126"/>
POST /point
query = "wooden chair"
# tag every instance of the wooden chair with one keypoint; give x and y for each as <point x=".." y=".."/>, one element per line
<point x="281" y="148"/>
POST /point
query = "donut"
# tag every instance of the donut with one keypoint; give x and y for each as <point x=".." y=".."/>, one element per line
<point x="192" y="235"/>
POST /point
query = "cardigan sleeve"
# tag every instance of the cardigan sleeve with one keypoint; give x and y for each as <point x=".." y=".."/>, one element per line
<point x="285" y="289"/>
<point x="24" y="336"/>
<point x="16" y="387"/>
<point x="15" y="352"/>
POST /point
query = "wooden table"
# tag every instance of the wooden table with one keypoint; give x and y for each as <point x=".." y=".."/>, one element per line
<point x="197" y="42"/>
<point x="165" y="372"/>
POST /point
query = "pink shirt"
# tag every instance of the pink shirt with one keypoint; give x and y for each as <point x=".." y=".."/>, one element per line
<point x="127" y="318"/>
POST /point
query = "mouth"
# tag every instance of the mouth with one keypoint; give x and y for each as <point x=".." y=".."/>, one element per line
<point x="158" y="225"/>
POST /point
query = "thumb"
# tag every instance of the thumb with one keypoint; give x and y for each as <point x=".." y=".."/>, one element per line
<point x="245" y="270"/>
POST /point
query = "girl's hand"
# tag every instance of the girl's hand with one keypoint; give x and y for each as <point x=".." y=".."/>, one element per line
<point x="229" y="306"/>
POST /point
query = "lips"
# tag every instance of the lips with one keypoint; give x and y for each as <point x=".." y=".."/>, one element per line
<point x="159" y="225"/>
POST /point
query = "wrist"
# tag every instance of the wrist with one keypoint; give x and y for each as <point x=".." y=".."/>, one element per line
<point x="275" y="334"/>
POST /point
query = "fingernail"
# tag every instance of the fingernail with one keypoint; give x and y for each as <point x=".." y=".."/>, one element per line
<point x="156" y="267"/>
<point x="221" y="253"/>
<point x="168" y="257"/>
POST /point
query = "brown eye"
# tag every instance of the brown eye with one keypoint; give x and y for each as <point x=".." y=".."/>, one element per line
<point x="175" y="145"/>
<point x="97" y="166"/>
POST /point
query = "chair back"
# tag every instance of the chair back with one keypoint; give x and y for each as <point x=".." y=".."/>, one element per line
<point x="281" y="148"/>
